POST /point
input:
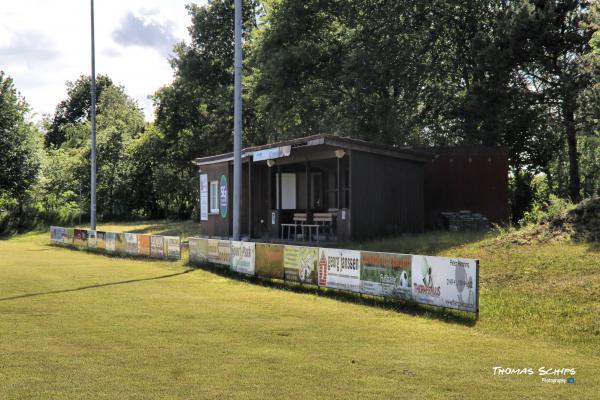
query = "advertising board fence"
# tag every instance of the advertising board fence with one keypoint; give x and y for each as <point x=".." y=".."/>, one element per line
<point x="132" y="244"/>
<point x="439" y="281"/>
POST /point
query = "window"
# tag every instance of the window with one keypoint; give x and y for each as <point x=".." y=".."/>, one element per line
<point x="214" y="197"/>
<point x="288" y="191"/>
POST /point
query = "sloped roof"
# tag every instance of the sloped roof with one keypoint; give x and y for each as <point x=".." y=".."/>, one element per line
<point x="330" y="140"/>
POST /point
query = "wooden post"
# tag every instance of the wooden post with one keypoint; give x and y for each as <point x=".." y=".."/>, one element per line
<point x="250" y="197"/>
<point x="307" y="168"/>
<point x="338" y="186"/>
<point x="278" y="198"/>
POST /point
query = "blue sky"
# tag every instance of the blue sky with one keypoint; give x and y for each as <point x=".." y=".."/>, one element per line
<point x="43" y="44"/>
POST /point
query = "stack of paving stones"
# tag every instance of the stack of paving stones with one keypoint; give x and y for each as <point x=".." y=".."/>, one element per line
<point x="465" y="220"/>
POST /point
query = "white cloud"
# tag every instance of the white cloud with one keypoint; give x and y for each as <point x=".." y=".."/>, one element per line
<point x="44" y="44"/>
<point x="145" y="32"/>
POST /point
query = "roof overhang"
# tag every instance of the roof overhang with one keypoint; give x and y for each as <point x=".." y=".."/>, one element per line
<point x="285" y="148"/>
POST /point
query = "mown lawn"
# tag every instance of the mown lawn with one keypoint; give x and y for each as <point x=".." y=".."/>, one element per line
<point x="80" y="325"/>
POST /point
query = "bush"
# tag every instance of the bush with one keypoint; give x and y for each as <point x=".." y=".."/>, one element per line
<point x="554" y="211"/>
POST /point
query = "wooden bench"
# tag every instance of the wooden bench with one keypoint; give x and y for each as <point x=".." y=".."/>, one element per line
<point x="323" y="221"/>
<point x="300" y="220"/>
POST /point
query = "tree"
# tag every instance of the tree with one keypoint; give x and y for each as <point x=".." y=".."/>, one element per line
<point x="75" y="108"/>
<point x="195" y="111"/>
<point x="67" y="172"/>
<point x="19" y="153"/>
<point x="550" y="36"/>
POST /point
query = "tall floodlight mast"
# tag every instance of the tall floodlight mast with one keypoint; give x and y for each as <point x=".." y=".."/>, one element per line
<point x="237" y="122"/>
<point x="93" y="115"/>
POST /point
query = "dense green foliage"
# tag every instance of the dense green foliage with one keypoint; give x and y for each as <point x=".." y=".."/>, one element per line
<point x="19" y="156"/>
<point x="522" y="74"/>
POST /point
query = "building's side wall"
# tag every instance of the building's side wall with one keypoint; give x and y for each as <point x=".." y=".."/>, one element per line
<point x="386" y="195"/>
<point x="474" y="179"/>
<point x="216" y="225"/>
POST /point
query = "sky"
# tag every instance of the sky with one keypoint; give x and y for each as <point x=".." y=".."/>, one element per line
<point x="44" y="44"/>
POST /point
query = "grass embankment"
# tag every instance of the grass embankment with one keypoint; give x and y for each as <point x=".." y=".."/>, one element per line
<point x="80" y="325"/>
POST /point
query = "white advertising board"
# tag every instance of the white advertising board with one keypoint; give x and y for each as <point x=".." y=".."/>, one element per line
<point x="91" y="239"/>
<point x="111" y="242"/>
<point x="131" y="244"/>
<point x="339" y="269"/>
<point x="445" y="282"/>
<point x="172" y="247"/>
<point x="242" y="257"/>
<point x="157" y="246"/>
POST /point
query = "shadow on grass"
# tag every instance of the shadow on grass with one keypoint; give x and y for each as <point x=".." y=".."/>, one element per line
<point x="22" y="296"/>
<point x="398" y="305"/>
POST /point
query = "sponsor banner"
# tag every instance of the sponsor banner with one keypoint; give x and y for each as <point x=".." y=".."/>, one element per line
<point x="110" y="242"/>
<point x="77" y="239"/>
<point x="385" y="274"/>
<point x="91" y="242"/>
<point x="445" y="282"/>
<point x="223" y="196"/>
<point x="339" y="269"/>
<point x="223" y="253"/>
<point x="70" y="234"/>
<point x="269" y="260"/>
<point x="269" y="154"/>
<point x="203" y="197"/>
<point x="242" y="257"/>
<point x="55" y="234"/>
<point x="131" y="244"/>
<point x="84" y="237"/>
<point x="301" y="263"/>
<point x="198" y="250"/>
<point x="100" y="240"/>
<point x="144" y="245"/>
<point x="213" y="250"/>
<point x="121" y="243"/>
<point x="157" y="246"/>
<point x="172" y="247"/>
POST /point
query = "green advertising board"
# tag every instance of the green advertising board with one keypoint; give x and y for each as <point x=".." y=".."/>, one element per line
<point x="385" y="274"/>
<point x="269" y="260"/>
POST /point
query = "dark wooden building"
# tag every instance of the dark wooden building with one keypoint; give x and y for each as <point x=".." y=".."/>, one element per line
<point x="466" y="178"/>
<point x="321" y="187"/>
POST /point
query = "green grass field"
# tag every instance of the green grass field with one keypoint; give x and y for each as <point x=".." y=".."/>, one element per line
<point x="81" y="325"/>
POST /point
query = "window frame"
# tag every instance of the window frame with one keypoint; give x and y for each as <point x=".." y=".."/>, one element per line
<point x="213" y="190"/>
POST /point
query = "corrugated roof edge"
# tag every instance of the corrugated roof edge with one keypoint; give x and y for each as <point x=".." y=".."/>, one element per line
<point x="340" y="141"/>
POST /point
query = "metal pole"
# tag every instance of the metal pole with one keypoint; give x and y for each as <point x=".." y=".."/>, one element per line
<point x="93" y="112"/>
<point x="237" y="122"/>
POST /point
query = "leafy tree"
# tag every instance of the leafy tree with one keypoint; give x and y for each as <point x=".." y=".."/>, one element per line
<point x="195" y="111"/>
<point x="19" y="154"/>
<point x="75" y="108"/>
<point x="550" y="36"/>
<point x="67" y="172"/>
